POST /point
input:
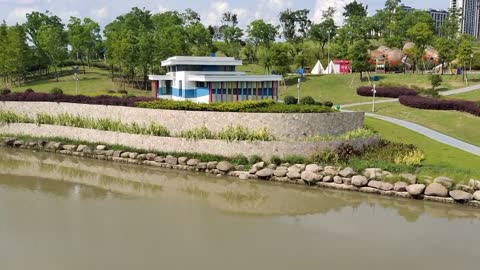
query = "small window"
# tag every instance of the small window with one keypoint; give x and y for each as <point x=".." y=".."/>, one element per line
<point x="201" y="84"/>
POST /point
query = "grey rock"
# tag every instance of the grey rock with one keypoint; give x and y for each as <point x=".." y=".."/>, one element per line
<point x="224" y="166"/>
<point x="244" y="176"/>
<point x="475" y="184"/>
<point x="253" y="171"/>
<point x="159" y="159"/>
<point x="51" y="146"/>
<point x="436" y="189"/>
<point x="337" y="179"/>
<point x="193" y="162"/>
<point x="212" y="165"/>
<point x="9" y="141"/>
<point x="310" y="176"/>
<point x="328" y="179"/>
<point x="314" y="168"/>
<point x="280" y="173"/>
<point x="410" y="178"/>
<point x="117" y="153"/>
<point x="133" y="155"/>
<point x="294" y="174"/>
<point x="416" y="189"/>
<point x="400" y="187"/>
<point x="57" y="145"/>
<point x="142" y="157"/>
<point x="476" y="195"/>
<point x="259" y="165"/>
<point x="109" y="153"/>
<point x="182" y="160"/>
<point x="272" y="166"/>
<point x="461" y="196"/>
<point x="347" y="172"/>
<point x="465" y="188"/>
<point x="240" y="167"/>
<point x="171" y="160"/>
<point x="347" y="181"/>
<point x="369" y="190"/>
<point x="359" y="181"/>
<point x="282" y="168"/>
<point x="18" y="143"/>
<point x="330" y="170"/>
<point x="151" y="156"/>
<point x="101" y="147"/>
<point x="87" y="150"/>
<point x="32" y="144"/>
<point x="372" y="173"/>
<point x="380" y="185"/>
<point x="202" y="166"/>
<point x="444" y="181"/>
<point x="69" y="147"/>
<point x="386" y="174"/>
<point x="264" y="173"/>
<point x="296" y="168"/>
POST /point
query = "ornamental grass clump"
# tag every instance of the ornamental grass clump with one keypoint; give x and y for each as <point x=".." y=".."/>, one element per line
<point x="412" y="158"/>
<point x="7" y="117"/>
<point x="199" y="133"/>
<point x="241" y="133"/>
<point x="351" y="135"/>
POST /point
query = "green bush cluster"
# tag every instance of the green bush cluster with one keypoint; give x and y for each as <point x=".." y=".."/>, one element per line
<point x="307" y="100"/>
<point x="351" y="135"/>
<point x="262" y="106"/>
<point x="290" y="100"/>
<point x="56" y="91"/>
<point x="5" y="91"/>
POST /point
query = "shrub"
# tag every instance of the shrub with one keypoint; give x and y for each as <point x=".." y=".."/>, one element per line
<point x="307" y="100"/>
<point x="296" y="160"/>
<point x="345" y="151"/>
<point x="197" y="134"/>
<point x="431" y="92"/>
<point x="254" y="159"/>
<point x="123" y="92"/>
<point x="318" y="103"/>
<point x="56" y="91"/>
<point x="328" y="104"/>
<point x="261" y="106"/>
<point x="329" y="157"/>
<point x="275" y="160"/>
<point x="412" y="158"/>
<point x="351" y="135"/>
<point x="111" y="91"/>
<point x="436" y="81"/>
<point x="440" y="104"/>
<point x="240" y="160"/>
<point x="290" y="100"/>
<point x="29" y="90"/>
<point x="390" y="92"/>
<point x="240" y="133"/>
<point x="100" y="100"/>
<point x="5" y="91"/>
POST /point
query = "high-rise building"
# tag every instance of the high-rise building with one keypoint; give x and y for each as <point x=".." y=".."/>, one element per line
<point x="470" y="12"/>
<point x="439" y="18"/>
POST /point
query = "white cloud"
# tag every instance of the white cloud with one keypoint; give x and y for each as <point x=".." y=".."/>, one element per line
<point x="269" y="10"/>
<point x="100" y="13"/>
<point x="17" y="15"/>
<point x="322" y="5"/>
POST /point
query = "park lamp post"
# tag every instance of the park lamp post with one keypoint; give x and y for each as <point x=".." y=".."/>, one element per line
<point x="471" y="59"/>
<point x="298" y="90"/>
<point x="75" y="78"/>
<point x="374" y="91"/>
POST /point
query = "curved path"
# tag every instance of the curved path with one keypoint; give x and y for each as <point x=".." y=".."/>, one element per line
<point x="432" y="134"/>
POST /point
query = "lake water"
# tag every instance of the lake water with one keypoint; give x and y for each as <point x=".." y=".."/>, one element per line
<point x="59" y="212"/>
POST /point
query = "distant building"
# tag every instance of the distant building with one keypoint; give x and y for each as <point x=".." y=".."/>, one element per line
<point x="470" y="12"/>
<point x="210" y="80"/>
<point x="439" y="18"/>
<point x="407" y="8"/>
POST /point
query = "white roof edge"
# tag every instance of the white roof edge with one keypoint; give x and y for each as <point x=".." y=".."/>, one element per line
<point x="201" y="60"/>
<point x="160" y="77"/>
<point x="245" y="78"/>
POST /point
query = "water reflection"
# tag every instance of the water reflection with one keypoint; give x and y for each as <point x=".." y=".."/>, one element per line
<point x="98" y="179"/>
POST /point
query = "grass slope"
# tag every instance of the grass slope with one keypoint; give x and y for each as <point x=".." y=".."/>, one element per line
<point x="473" y="96"/>
<point x="462" y="126"/>
<point x="95" y="82"/>
<point x="440" y="159"/>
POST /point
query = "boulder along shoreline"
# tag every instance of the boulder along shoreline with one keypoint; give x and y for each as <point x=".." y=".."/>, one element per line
<point x="441" y="189"/>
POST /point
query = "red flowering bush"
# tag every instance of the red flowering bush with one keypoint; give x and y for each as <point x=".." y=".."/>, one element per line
<point x="390" y="92"/>
<point x="440" y="104"/>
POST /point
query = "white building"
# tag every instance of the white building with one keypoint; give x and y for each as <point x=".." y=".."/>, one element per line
<point x="470" y="11"/>
<point x="439" y="18"/>
<point x="211" y="79"/>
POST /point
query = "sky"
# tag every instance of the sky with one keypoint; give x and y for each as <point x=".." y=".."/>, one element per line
<point x="105" y="11"/>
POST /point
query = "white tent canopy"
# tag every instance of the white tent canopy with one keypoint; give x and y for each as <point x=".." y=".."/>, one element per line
<point x="332" y="68"/>
<point x="318" y="69"/>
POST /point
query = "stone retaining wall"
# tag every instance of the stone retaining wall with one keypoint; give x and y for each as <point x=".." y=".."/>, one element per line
<point x="171" y="144"/>
<point x="283" y="126"/>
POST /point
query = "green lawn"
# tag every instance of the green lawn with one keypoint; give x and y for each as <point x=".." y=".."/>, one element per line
<point x="462" y="126"/>
<point x="440" y="159"/>
<point x="95" y="82"/>
<point x="473" y="96"/>
<point x="341" y="89"/>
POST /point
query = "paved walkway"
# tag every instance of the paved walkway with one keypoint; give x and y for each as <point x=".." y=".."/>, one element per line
<point x="432" y="134"/>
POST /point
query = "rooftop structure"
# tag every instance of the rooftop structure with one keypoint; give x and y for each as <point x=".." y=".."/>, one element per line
<point x="211" y="79"/>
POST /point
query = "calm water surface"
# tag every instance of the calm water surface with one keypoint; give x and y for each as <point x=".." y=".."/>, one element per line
<point x="68" y="213"/>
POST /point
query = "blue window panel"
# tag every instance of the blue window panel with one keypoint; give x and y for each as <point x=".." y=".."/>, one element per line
<point x="201" y="92"/>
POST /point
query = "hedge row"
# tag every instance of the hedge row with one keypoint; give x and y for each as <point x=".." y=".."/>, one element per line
<point x="101" y="100"/>
<point x="263" y="106"/>
<point x="440" y="104"/>
<point x="390" y="92"/>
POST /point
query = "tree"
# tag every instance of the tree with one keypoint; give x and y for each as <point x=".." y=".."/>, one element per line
<point x="358" y="55"/>
<point x="450" y="28"/>
<point x="261" y="33"/>
<point x="436" y="81"/>
<point x="464" y="51"/>
<point x="421" y="34"/>
<point x="231" y="34"/>
<point x="84" y="38"/>
<point x="53" y="41"/>
<point x="295" y="24"/>
<point x="3" y="52"/>
<point x="323" y="32"/>
<point x="446" y="50"/>
<point x="355" y="9"/>
<point x="17" y="54"/>
<point x="276" y="58"/>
